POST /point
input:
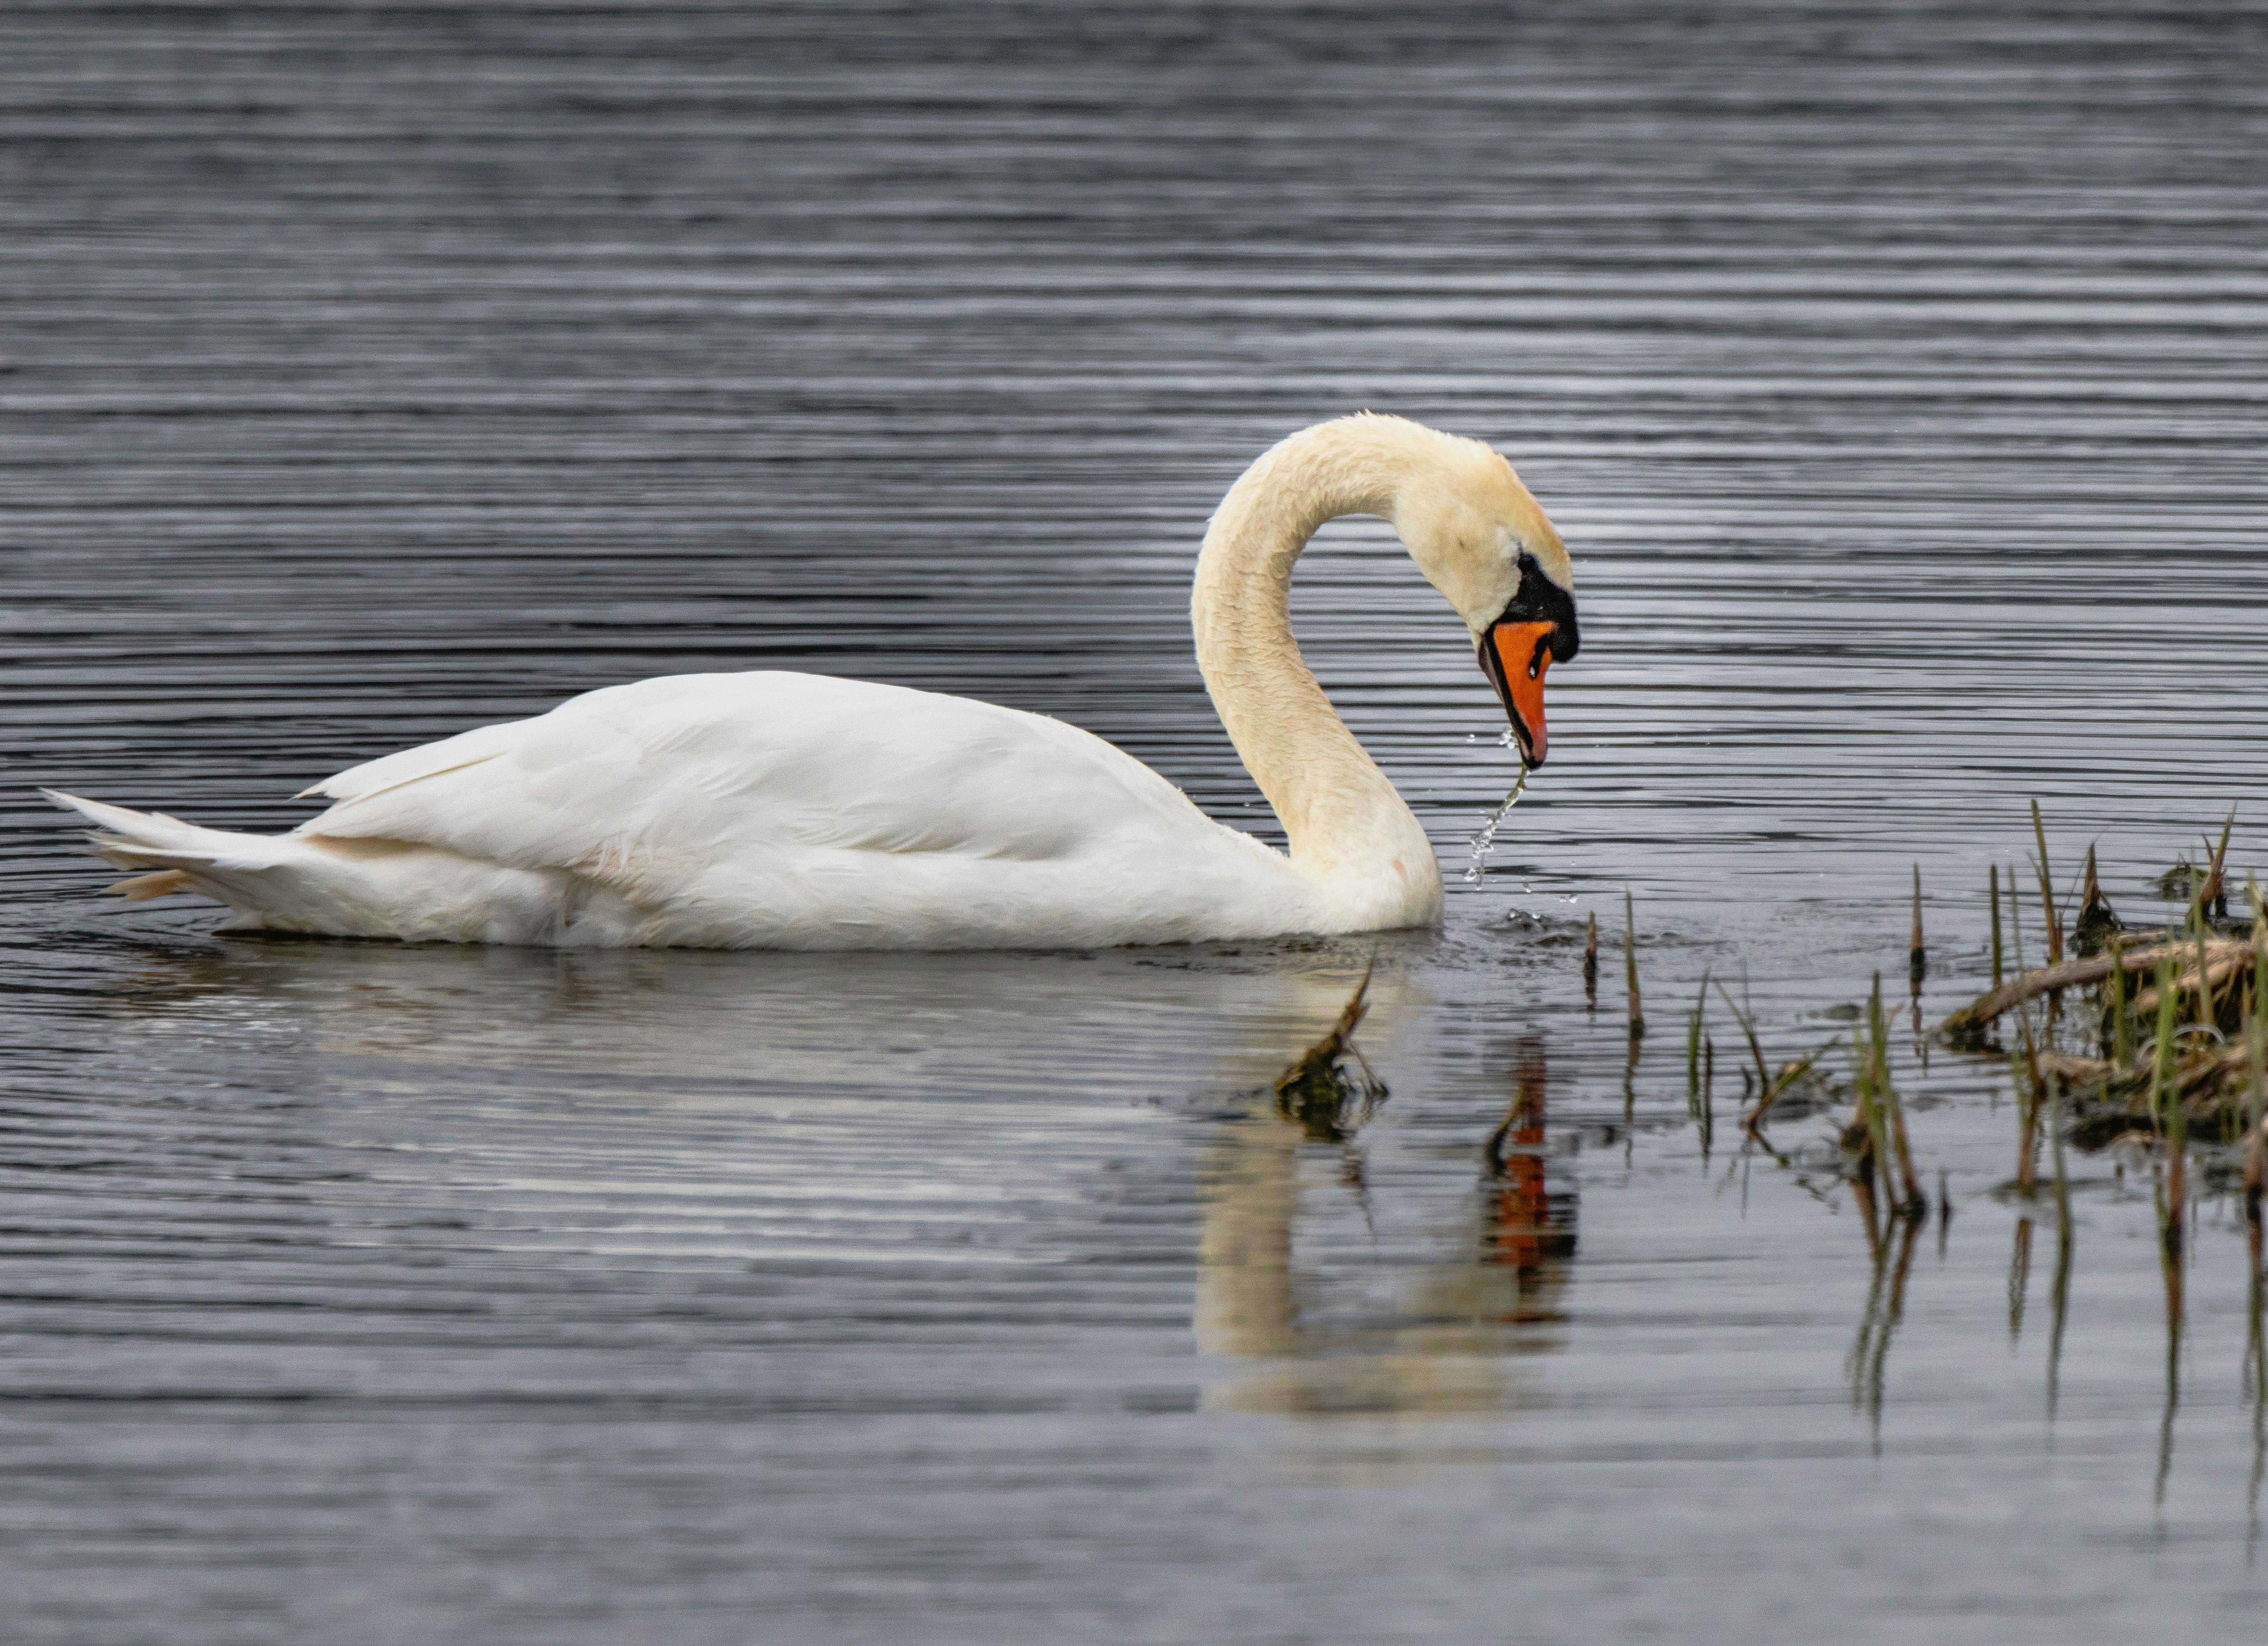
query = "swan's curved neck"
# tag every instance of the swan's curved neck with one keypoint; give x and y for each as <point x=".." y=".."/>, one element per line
<point x="1345" y="821"/>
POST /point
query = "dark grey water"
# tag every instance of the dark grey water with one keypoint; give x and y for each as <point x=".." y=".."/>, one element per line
<point x="365" y="373"/>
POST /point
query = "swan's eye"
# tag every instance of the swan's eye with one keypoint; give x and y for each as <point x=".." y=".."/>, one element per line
<point x="1540" y="601"/>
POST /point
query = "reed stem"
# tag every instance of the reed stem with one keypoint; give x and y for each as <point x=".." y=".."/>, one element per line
<point x="2205" y="978"/>
<point x="2122" y="1010"/>
<point x="2213" y="899"/>
<point x="1917" y="956"/>
<point x="1693" y="1028"/>
<point x="1591" y="962"/>
<point x="1909" y="1197"/>
<point x="2161" y="1050"/>
<point x="2177" y="1155"/>
<point x="1873" y="1108"/>
<point x="1992" y="897"/>
<point x="1755" y="1046"/>
<point x="2255" y="1139"/>
<point x="2060" y="1294"/>
<point x="1630" y="966"/>
<point x="2047" y="890"/>
<point x="2015" y="921"/>
<point x="2027" y="1110"/>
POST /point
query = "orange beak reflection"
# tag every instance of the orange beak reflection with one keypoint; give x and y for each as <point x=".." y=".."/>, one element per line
<point x="1515" y="655"/>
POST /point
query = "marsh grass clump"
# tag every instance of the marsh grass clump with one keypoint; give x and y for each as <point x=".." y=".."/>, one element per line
<point x="2180" y="882"/>
<point x="2097" y="923"/>
<point x="1881" y="1157"/>
<point x="1330" y="1091"/>
<point x="2176" y="1015"/>
<point x="2203" y="882"/>
<point x="1795" y="1087"/>
<point x="2174" y="1056"/>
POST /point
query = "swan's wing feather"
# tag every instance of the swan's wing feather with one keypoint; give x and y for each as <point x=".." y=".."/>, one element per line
<point x="408" y="765"/>
<point x="642" y="786"/>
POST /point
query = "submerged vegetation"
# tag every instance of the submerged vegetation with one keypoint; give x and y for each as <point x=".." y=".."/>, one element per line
<point x="1329" y="1090"/>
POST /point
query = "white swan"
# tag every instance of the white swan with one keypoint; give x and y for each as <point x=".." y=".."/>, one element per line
<point x="792" y="811"/>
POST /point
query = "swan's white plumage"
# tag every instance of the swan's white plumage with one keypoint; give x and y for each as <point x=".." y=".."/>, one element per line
<point x="798" y="811"/>
<point x="756" y="811"/>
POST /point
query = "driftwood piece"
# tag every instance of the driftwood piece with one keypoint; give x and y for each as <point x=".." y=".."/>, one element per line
<point x="2072" y="974"/>
<point x="2221" y="961"/>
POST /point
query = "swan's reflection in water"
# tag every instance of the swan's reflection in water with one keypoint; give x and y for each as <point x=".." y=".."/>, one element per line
<point x="1446" y="1342"/>
<point x="1171" y="1022"/>
<point x="761" y="1112"/>
<point x="656" y="1106"/>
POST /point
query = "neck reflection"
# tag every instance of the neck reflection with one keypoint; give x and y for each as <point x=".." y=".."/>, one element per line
<point x="1374" y="1336"/>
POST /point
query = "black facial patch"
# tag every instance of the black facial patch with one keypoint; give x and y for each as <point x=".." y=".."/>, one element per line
<point x="1540" y="600"/>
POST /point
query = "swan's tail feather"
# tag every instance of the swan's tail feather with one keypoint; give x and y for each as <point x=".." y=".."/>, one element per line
<point x="146" y="840"/>
<point x="172" y="856"/>
<point x="302" y="882"/>
<point x="159" y="883"/>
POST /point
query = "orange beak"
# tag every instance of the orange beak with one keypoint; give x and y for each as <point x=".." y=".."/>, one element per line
<point x="1515" y="655"/>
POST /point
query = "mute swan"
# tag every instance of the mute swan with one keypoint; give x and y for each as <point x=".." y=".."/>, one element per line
<point x="777" y="810"/>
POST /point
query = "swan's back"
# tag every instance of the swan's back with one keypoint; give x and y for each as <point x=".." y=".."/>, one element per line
<point x="752" y="761"/>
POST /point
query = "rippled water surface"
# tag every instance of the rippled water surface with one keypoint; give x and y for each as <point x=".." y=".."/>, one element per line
<point x="369" y="372"/>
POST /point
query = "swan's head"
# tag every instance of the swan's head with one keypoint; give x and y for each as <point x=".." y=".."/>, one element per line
<point x="1485" y="543"/>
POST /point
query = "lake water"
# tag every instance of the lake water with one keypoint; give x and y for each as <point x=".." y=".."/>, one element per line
<point x="1898" y="379"/>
